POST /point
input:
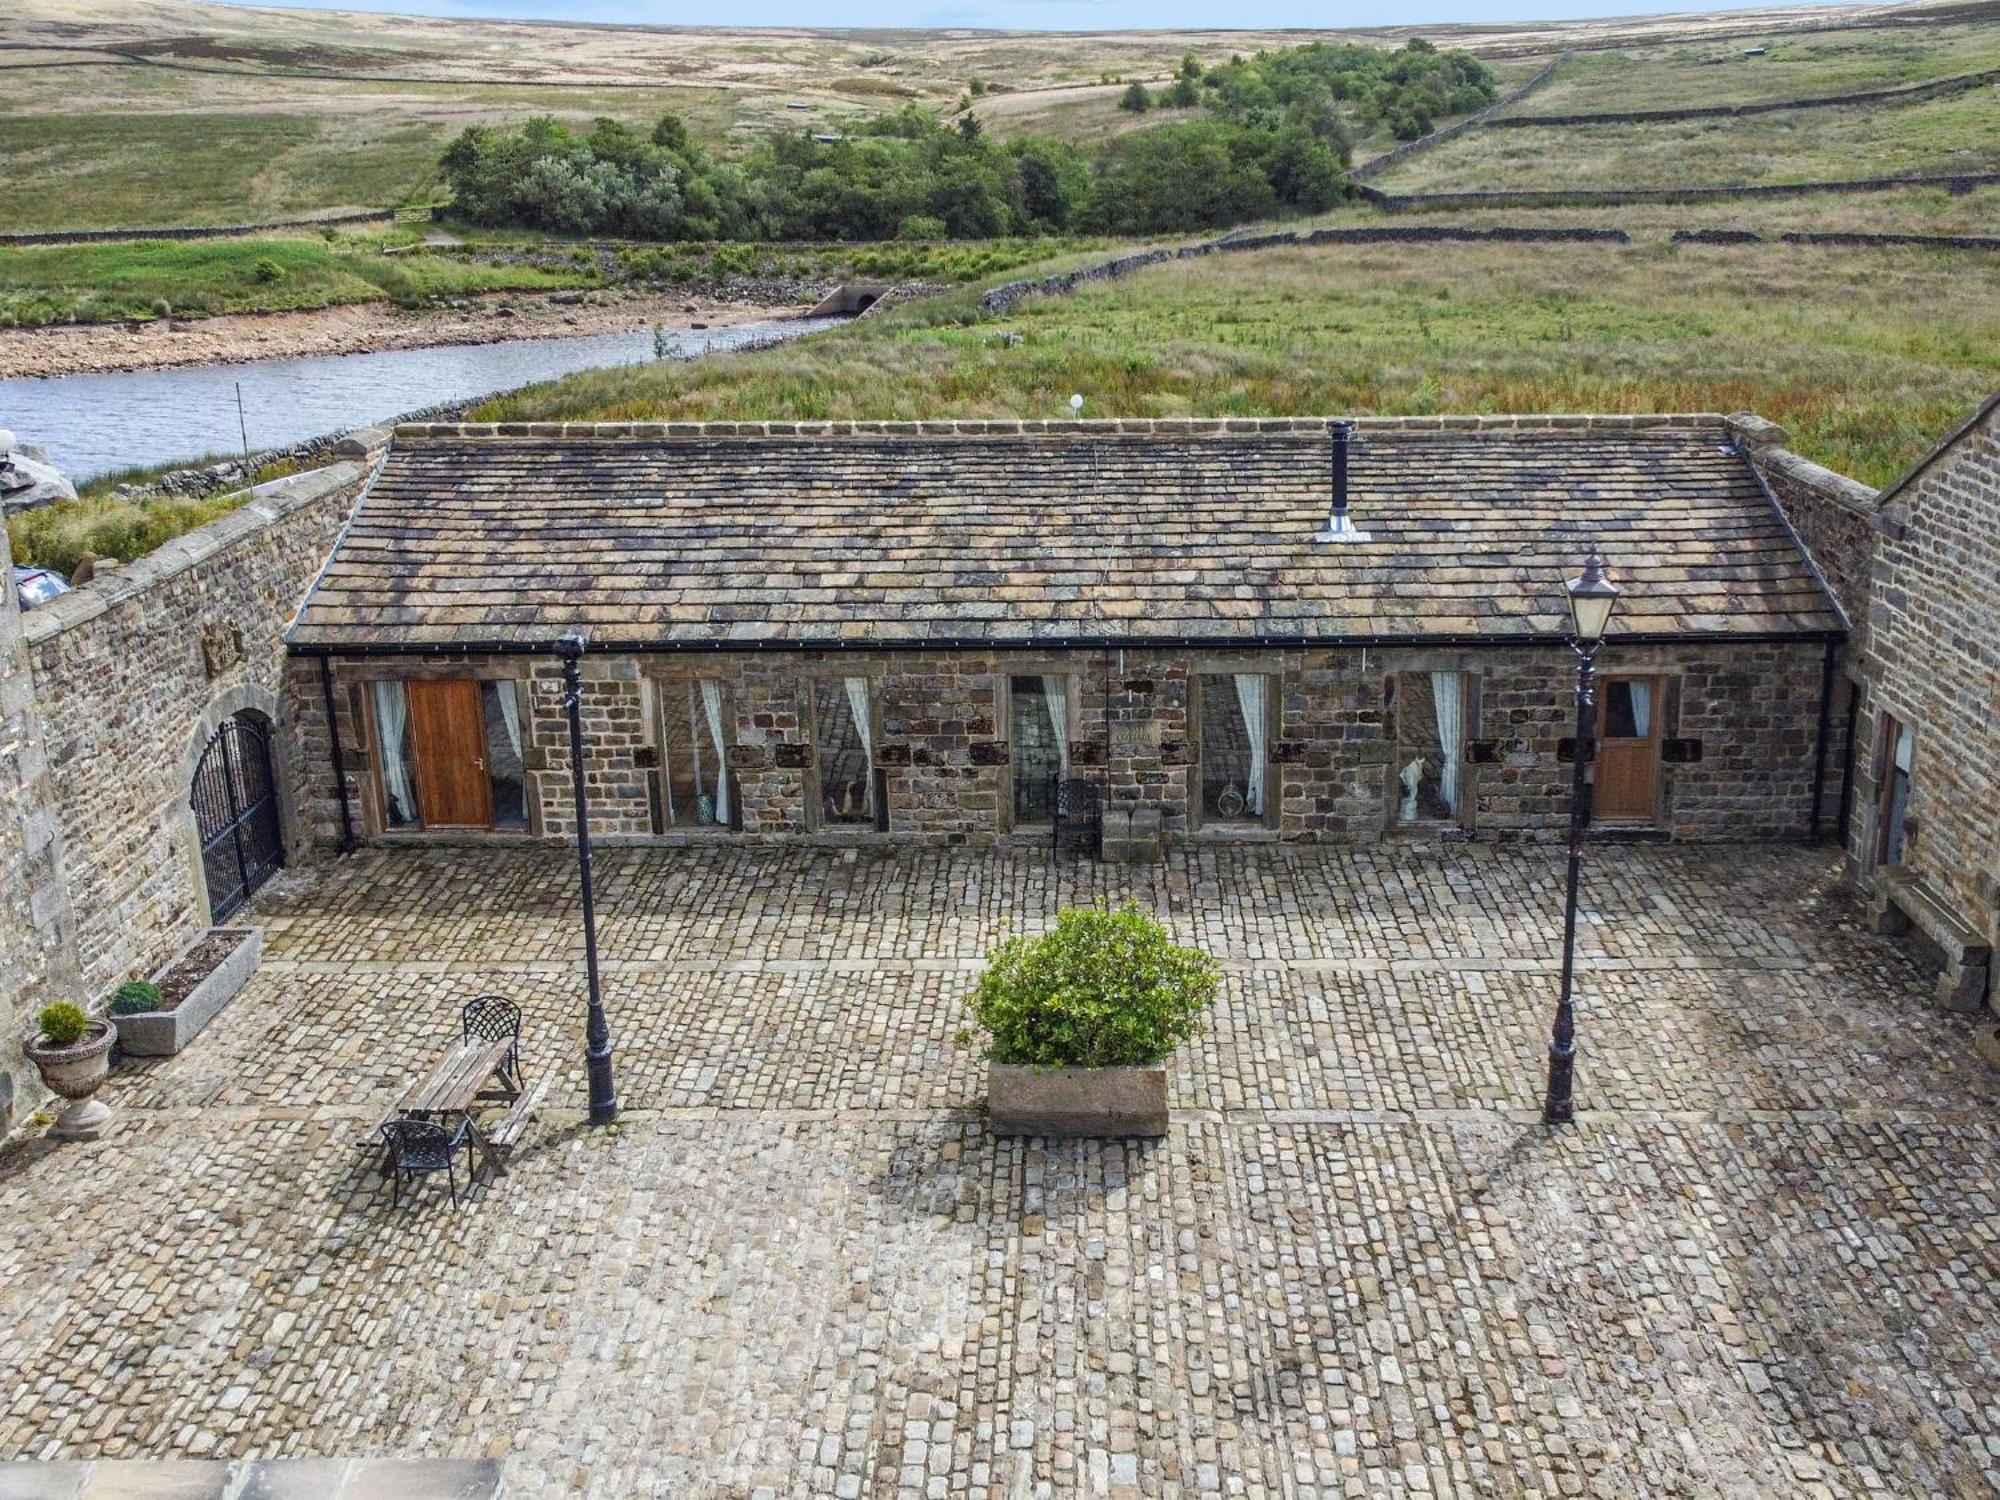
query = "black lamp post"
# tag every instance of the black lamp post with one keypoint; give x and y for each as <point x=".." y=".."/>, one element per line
<point x="1592" y="598"/>
<point x="596" y="1031"/>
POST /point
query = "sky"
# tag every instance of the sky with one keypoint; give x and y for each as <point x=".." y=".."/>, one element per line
<point x="1032" y="15"/>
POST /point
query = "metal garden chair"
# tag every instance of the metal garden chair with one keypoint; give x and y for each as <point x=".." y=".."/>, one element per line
<point x="1076" y="812"/>
<point x="495" y="1018"/>
<point x="422" y="1147"/>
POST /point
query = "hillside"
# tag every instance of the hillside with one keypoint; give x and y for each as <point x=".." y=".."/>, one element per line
<point x="146" y="112"/>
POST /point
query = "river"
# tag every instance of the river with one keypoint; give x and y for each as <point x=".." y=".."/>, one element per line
<point x="92" y="424"/>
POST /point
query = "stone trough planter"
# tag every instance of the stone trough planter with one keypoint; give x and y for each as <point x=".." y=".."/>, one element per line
<point x="195" y="987"/>
<point x="1027" y="1100"/>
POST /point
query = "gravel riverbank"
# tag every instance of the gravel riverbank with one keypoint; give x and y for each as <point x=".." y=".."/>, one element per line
<point x="358" y="329"/>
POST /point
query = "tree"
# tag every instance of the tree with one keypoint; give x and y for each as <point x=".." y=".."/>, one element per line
<point x="969" y="128"/>
<point x="1135" y="98"/>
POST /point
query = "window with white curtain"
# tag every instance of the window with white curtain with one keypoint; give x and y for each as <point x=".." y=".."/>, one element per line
<point x="1431" y="731"/>
<point x="697" y="732"/>
<point x="500" y="705"/>
<point x="391" y="711"/>
<point x="1038" y="736"/>
<point x="1235" y="710"/>
<point x="844" y="750"/>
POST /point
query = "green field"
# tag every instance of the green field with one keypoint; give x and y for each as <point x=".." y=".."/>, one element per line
<point x="1866" y="356"/>
<point x="141" y="279"/>
<point x="1958" y="133"/>
<point x="1800" y="65"/>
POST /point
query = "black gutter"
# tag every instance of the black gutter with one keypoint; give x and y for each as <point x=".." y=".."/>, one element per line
<point x="1777" y="508"/>
<point x="1084" y="643"/>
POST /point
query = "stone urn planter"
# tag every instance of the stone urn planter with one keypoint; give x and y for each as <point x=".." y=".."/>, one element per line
<point x="192" y="989"/>
<point x="76" y="1072"/>
<point x="1081" y="1021"/>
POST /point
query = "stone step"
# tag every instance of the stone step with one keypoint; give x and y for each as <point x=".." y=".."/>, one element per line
<point x="253" y="1479"/>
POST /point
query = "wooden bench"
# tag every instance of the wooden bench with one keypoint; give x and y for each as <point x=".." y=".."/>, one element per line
<point x="1903" y="901"/>
<point x="505" y="1136"/>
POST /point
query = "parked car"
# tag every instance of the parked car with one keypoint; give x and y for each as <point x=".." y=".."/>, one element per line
<point x="38" y="585"/>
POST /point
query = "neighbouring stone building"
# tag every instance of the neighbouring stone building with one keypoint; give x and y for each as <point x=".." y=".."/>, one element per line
<point x="907" y="631"/>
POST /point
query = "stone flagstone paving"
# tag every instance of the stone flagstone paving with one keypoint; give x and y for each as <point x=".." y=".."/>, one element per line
<point x="1762" y="1262"/>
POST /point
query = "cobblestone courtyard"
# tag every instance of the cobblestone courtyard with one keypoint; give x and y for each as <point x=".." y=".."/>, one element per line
<point x="1762" y="1262"/>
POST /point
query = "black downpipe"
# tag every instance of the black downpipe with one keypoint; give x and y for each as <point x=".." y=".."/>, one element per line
<point x="1847" y="763"/>
<point x="1342" y="433"/>
<point x="1820" y="739"/>
<point x="339" y="759"/>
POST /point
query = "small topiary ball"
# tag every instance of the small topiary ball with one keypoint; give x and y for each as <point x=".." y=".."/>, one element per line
<point x="135" y="997"/>
<point x="63" y="1025"/>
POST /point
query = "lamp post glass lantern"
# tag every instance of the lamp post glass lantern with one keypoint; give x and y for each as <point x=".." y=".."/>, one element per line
<point x="1592" y="599"/>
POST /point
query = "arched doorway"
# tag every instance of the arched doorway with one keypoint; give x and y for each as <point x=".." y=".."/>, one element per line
<point x="235" y="802"/>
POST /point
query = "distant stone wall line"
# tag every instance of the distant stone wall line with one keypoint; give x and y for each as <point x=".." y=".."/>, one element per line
<point x="1957" y="183"/>
<point x="192" y="231"/>
<point x="1958" y="83"/>
<point x="1008" y="296"/>
<point x="1388" y="159"/>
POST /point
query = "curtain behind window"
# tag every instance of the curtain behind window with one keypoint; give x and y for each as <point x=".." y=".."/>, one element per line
<point x="1449" y="701"/>
<point x="1252" y="694"/>
<point x="392" y="728"/>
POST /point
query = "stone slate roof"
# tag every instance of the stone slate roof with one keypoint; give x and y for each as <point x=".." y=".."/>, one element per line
<point x="864" y="534"/>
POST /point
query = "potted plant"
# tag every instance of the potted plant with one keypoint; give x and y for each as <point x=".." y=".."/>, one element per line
<point x="1081" y="1020"/>
<point x="73" y="1052"/>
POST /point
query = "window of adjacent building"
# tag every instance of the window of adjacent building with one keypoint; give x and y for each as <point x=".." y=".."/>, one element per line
<point x="1899" y="753"/>
<point x="696" y="731"/>
<point x="1038" y="732"/>
<point x="449" y="753"/>
<point x="844" y="750"/>
<point x="1235" y="713"/>
<point x="1430" y="745"/>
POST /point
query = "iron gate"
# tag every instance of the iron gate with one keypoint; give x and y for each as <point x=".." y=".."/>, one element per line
<point x="236" y="809"/>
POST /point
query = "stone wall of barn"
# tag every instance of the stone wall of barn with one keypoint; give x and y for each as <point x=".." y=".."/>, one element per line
<point x="1740" y="730"/>
<point x="1930" y="659"/>
<point x="134" y="672"/>
<point x="107" y="696"/>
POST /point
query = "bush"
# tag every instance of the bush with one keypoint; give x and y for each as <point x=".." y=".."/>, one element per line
<point x="920" y="227"/>
<point x="135" y="997"/>
<point x="63" y="1025"/>
<point x="268" y="270"/>
<point x="1136" y="98"/>
<point x="1102" y="988"/>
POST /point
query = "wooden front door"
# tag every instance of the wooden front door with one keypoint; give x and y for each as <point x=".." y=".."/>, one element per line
<point x="1628" y="750"/>
<point x="448" y="745"/>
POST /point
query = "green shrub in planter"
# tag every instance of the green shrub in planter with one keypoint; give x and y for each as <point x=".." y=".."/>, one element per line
<point x="135" y="997"/>
<point x="63" y="1025"/>
<point x="1102" y="988"/>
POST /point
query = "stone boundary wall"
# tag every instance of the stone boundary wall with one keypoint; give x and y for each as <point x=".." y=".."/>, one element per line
<point x="1840" y="238"/>
<point x="191" y="232"/>
<point x="1963" y="182"/>
<point x="1402" y="153"/>
<point x="1907" y="93"/>
<point x="131" y="675"/>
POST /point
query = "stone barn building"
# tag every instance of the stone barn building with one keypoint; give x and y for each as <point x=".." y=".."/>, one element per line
<point x="1241" y="630"/>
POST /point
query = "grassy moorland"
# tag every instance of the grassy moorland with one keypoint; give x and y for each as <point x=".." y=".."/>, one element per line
<point x="1865" y="356"/>
<point x="141" y="279"/>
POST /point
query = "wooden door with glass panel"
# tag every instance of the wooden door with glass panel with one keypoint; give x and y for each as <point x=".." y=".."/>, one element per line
<point x="448" y="737"/>
<point x="1627" y="769"/>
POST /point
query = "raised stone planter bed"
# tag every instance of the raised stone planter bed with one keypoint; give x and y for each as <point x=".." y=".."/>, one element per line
<point x="194" y="987"/>
<point x="1023" y="1099"/>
